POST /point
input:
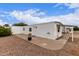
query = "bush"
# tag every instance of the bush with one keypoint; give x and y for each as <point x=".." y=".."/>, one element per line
<point x="6" y="25"/>
<point x="76" y="28"/>
<point x="5" y="31"/>
<point x="20" y="24"/>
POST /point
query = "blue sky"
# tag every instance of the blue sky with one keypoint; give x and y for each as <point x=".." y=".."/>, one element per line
<point x="32" y="13"/>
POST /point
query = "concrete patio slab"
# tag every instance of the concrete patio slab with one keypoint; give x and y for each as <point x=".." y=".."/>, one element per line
<point x="47" y="43"/>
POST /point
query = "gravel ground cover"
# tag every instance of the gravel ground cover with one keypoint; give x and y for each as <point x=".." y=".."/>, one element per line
<point x="14" y="46"/>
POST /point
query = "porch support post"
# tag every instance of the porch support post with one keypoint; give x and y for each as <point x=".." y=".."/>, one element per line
<point x="72" y="35"/>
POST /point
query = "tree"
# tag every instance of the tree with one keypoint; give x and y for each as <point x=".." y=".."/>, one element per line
<point x="76" y="28"/>
<point x="6" y="25"/>
<point x="20" y="24"/>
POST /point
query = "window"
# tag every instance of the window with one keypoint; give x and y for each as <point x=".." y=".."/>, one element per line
<point x="58" y="28"/>
<point x="48" y="32"/>
<point x="69" y="29"/>
<point x="23" y="29"/>
<point x="35" y="27"/>
<point x="30" y="29"/>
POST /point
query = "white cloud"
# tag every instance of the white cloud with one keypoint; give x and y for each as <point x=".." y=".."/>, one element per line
<point x="29" y="16"/>
<point x="72" y="5"/>
<point x="58" y="4"/>
<point x="2" y="15"/>
<point x="32" y="16"/>
<point x="2" y="22"/>
<point x="69" y="5"/>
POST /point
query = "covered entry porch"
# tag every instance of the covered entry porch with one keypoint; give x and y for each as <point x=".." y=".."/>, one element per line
<point x="69" y="29"/>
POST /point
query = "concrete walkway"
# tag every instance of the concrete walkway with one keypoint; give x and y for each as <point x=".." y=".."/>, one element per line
<point x="47" y="43"/>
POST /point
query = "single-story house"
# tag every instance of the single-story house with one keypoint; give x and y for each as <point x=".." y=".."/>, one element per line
<point x="51" y="30"/>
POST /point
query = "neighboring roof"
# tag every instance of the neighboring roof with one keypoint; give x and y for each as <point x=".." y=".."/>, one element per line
<point x="70" y="25"/>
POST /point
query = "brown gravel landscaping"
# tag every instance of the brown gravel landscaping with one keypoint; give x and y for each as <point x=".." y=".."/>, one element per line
<point x="14" y="46"/>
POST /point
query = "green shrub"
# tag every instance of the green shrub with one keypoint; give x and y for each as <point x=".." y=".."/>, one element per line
<point x="5" y="31"/>
<point x="6" y="25"/>
<point x="76" y="28"/>
<point x="20" y="24"/>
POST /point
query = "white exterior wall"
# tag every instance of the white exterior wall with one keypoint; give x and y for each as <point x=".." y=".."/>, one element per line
<point x="43" y="29"/>
<point x="39" y="30"/>
<point x="26" y="30"/>
<point x="17" y="29"/>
